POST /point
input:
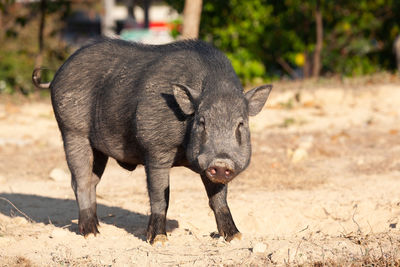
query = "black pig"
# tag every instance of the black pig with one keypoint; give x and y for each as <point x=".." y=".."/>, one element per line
<point x="179" y="104"/>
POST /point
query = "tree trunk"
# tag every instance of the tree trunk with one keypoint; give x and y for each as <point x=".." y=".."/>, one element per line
<point x="107" y="21"/>
<point x="130" y="4"/>
<point x="191" y="19"/>
<point x="39" y="57"/>
<point x="146" y="7"/>
<point x="318" y="45"/>
<point x="397" y="52"/>
<point x="1" y="24"/>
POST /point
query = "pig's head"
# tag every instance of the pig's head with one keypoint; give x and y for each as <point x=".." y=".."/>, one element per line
<point x="219" y="139"/>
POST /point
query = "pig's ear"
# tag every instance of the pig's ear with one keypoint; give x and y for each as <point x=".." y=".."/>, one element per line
<point x="257" y="97"/>
<point x="185" y="97"/>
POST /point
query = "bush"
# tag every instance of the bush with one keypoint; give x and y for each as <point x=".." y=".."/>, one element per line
<point x="15" y="71"/>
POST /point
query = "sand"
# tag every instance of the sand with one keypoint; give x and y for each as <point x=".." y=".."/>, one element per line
<point x="323" y="187"/>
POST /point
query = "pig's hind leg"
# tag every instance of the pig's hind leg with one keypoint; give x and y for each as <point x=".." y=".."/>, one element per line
<point x="87" y="166"/>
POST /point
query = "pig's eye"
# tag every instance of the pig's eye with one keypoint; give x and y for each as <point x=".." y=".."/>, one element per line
<point x="238" y="133"/>
<point x="202" y="123"/>
<point x="202" y="127"/>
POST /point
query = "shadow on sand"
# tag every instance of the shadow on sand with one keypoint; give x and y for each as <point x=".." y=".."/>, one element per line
<point x="60" y="212"/>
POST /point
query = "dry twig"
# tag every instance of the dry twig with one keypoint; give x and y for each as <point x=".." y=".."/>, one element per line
<point x="9" y="202"/>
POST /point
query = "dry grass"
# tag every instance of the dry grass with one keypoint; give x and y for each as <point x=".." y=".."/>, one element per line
<point x="19" y="261"/>
<point x="364" y="250"/>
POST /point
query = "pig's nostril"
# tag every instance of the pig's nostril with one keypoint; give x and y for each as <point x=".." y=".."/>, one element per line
<point x="227" y="172"/>
<point x="213" y="171"/>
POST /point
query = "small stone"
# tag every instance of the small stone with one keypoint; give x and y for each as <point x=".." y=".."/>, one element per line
<point x="58" y="175"/>
<point x="259" y="247"/>
<point x="299" y="154"/>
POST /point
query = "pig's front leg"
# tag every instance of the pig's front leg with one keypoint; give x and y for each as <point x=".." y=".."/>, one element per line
<point x="158" y="188"/>
<point x="217" y="200"/>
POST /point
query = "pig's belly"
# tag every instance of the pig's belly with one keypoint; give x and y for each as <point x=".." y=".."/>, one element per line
<point x="119" y="148"/>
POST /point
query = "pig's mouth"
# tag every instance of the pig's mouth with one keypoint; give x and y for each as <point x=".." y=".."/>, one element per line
<point x="220" y="174"/>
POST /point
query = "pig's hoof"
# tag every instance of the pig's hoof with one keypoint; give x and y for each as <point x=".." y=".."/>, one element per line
<point x="89" y="227"/>
<point x="159" y="241"/>
<point x="88" y="222"/>
<point x="156" y="229"/>
<point x="236" y="236"/>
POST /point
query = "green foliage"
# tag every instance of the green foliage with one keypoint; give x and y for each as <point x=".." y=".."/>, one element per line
<point x="19" y="43"/>
<point x="354" y="43"/>
<point x="176" y="26"/>
<point x="230" y="32"/>
<point x="15" y="71"/>
<point x="248" y="68"/>
<point x="16" y="67"/>
<point x="259" y="35"/>
<point x="237" y="28"/>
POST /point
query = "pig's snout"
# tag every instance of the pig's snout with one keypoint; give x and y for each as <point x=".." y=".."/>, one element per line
<point x="221" y="171"/>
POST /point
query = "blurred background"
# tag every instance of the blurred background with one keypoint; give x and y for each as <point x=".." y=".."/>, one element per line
<point x="265" y="39"/>
<point x="322" y="188"/>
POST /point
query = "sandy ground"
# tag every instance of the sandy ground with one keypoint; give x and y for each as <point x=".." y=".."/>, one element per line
<point x="323" y="188"/>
